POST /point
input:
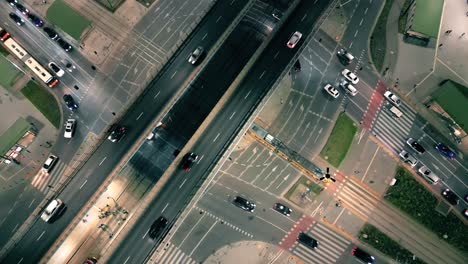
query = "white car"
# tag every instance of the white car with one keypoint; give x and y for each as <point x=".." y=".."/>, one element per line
<point x="392" y="98"/>
<point x="56" y="69"/>
<point x="331" y="90"/>
<point x="408" y="158"/>
<point x="49" y="163"/>
<point x="69" y="128"/>
<point x="294" y="39"/>
<point x="428" y="175"/>
<point x="52" y="209"/>
<point x="350" y="76"/>
<point x="196" y="54"/>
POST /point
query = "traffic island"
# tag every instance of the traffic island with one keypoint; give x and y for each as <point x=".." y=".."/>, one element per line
<point x="303" y="192"/>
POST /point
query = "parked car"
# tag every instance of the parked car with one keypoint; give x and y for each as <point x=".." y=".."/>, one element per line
<point x="56" y="69"/>
<point x="35" y="20"/>
<point x="350" y="76"/>
<point x="157" y="227"/>
<point x="450" y="196"/>
<point x="294" y="39"/>
<point x="283" y="209"/>
<point x="69" y="128"/>
<point x="392" y="98"/>
<point x="415" y="145"/>
<point x="64" y="45"/>
<point x="244" y="204"/>
<point x="428" y="175"/>
<point x="331" y="90"/>
<point x="22" y="9"/>
<point x="49" y="163"/>
<point x="196" y="55"/>
<point x="444" y="150"/>
<point x="54" y="208"/>
<point x="18" y="20"/>
<point x="362" y="255"/>
<point x="12" y="2"/>
<point x="91" y="260"/>
<point x="307" y="240"/>
<point x="51" y="33"/>
<point x="408" y="158"/>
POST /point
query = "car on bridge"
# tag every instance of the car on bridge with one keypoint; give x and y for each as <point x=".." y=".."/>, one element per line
<point x="117" y="133"/>
<point x="450" y="196"/>
<point x="157" y="227"/>
<point x="415" y="146"/>
<point x="188" y="161"/>
<point x="244" y="204"/>
<point x="408" y="158"/>
<point x="53" y="209"/>
<point x="294" y="39"/>
<point x="444" y="150"/>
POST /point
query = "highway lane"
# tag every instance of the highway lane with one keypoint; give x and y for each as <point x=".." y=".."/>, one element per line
<point x="150" y="105"/>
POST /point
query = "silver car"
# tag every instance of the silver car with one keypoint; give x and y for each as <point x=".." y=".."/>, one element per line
<point x="52" y="209"/>
<point x="408" y="158"/>
<point x="195" y="56"/>
<point x="428" y="175"/>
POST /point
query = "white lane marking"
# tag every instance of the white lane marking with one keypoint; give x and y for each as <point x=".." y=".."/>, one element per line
<point x="216" y="137"/>
<point x="145" y="234"/>
<point x="204" y="36"/>
<point x="83" y="184"/>
<point x="219" y="18"/>
<point x="279" y="228"/>
<point x="21" y="260"/>
<point x="360" y="23"/>
<point x="139" y="116"/>
<point x="276" y="55"/>
<point x="263" y="73"/>
<point x="127" y="260"/>
<point x="370" y="163"/>
<point x="43" y="232"/>
<point x="232" y="115"/>
<point x="173" y="74"/>
<point x="365" y="11"/>
<point x="247" y="94"/>
<point x="100" y="163"/>
<point x="182" y="183"/>
<point x="302" y="19"/>
<point x="200" y="159"/>
<point x="339" y="215"/>
<point x="31" y="202"/>
<point x="191" y="230"/>
<point x="156" y="95"/>
<point x="203" y="237"/>
<point x="164" y="209"/>
<point x="232" y="2"/>
<point x="14" y="229"/>
<point x="355" y="34"/>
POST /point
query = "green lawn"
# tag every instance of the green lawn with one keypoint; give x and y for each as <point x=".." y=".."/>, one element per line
<point x="9" y="73"/>
<point x="65" y="17"/>
<point x="413" y="199"/>
<point x="453" y="98"/>
<point x="44" y="101"/>
<point x="339" y="141"/>
<point x="4" y="51"/>
<point x="303" y="180"/>
<point x="373" y="237"/>
<point x="403" y="16"/>
<point x="378" y="40"/>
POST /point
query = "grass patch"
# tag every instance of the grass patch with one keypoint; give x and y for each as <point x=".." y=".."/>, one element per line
<point x="4" y="51"/>
<point x="413" y="199"/>
<point x="378" y="40"/>
<point x="373" y="237"/>
<point x="44" y="101"/>
<point x="403" y="16"/>
<point x="304" y="181"/>
<point x="67" y="19"/>
<point x="453" y="98"/>
<point x="9" y="73"/>
<point x="339" y="141"/>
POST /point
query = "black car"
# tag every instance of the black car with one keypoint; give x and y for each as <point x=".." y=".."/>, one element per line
<point x="12" y="2"/>
<point x="244" y="204"/>
<point x="51" y="33"/>
<point x="157" y="227"/>
<point x="415" y="145"/>
<point x="35" y="20"/>
<point x="307" y="240"/>
<point x="117" y="133"/>
<point x="18" y="20"/>
<point x="64" y="45"/>
<point x="450" y="196"/>
<point x="70" y="102"/>
<point x="91" y="260"/>
<point x="22" y="9"/>
<point x="283" y="209"/>
<point x="188" y="161"/>
<point x="362" y="255"/>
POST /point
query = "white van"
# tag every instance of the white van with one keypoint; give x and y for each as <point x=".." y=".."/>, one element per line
<point x="349" y="88"/>
<point x="396" y="112"/>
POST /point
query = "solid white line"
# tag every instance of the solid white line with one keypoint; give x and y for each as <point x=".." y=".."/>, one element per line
<point x="263" y="73"/>
<point x="173" y="74"/>
<point x="232" y="115"/>
<point x="302" y="19"/>
<point x="145" y="234"/>
<point x="204" y="36"/>
<point x="191" y="230"/>
<point x="216" y="137"/>
<point x="368" y="167"/>
<point x="339" y="215"/>
<point x="13" y="230"/>
<point x="156" y="95"/>
<point x="127" y="259"/>
<point x="219" y="18"/>
<point x="40" y="235"/>
<point x="21" y="260"/>
<point x="139" y="116"/>
<point x="83" y="184"/>
<point x="360" y="23"/>
<point x="100" y="163"/>
<point x="31" y="202"/>
<point x="182" y="183"/>
<point x="247" y="94"/>
<point x="164" y="208"/>
<point x="199" y="242"/>
<point x="355" y="34"/>
<point x="276" y="55"/>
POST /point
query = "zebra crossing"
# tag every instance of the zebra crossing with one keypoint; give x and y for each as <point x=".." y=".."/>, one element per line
<point x="331" y="246"/>
<point x="391" y="131"/>
<point x="43" y="180"/>
<point x="173" y="255"/>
